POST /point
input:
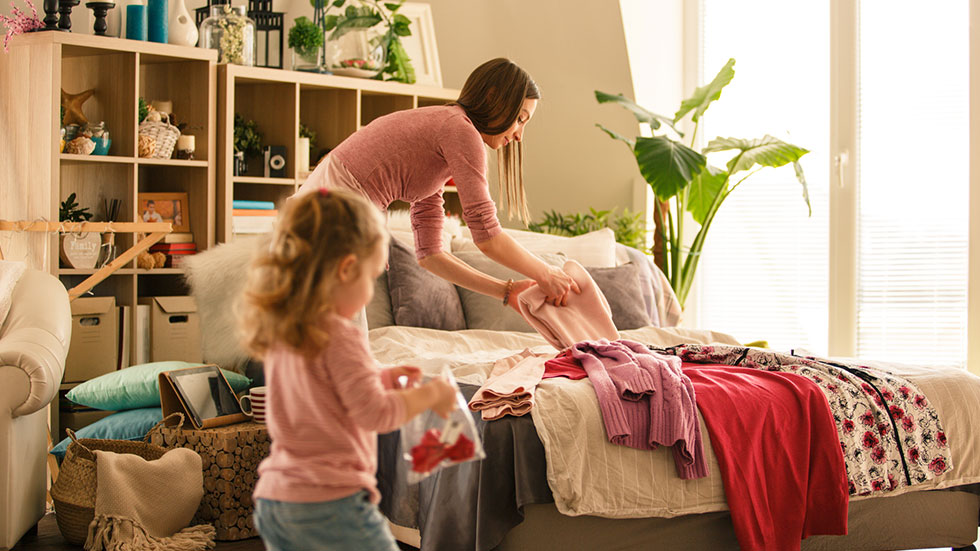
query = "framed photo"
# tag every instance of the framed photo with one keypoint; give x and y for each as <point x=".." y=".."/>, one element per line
<point x="421" y="44"/>
<point x="165" y="207"/>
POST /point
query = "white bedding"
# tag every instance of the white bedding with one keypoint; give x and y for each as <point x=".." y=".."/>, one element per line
<point x="590" y="476"/>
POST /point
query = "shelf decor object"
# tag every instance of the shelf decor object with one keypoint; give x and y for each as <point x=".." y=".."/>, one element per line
<point x="136" y="22"/>
<point x="19" y="22"/>
<point x="100" y="10"/>
<point x="157" y="16"/>
<point x="232" y="33"/>
<point x="268" y="33"/>
<point x="64" y="9"/>
<point x="183" y="30"/>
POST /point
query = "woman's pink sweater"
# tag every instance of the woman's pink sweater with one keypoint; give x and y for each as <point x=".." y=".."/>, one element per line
<point x="323" y="417"/>
<point x="409" y="155"/>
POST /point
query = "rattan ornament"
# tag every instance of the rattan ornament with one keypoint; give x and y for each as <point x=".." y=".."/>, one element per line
<point x="147" y="146"/>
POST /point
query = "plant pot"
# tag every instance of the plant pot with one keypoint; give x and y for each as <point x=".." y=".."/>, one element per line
<point x="311" y="63"/>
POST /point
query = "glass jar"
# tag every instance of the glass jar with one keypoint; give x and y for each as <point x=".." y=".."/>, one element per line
<point x="357" y="52"/>
<point x="230" y="31"/>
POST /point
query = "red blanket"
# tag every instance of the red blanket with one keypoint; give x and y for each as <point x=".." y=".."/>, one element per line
<point x="778" y="452"/>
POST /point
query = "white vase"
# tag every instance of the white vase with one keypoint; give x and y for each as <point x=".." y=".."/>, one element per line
<point x="182" y="30"/>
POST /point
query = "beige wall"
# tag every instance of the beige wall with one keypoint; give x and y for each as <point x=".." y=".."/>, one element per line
<point x="571" y="49"/>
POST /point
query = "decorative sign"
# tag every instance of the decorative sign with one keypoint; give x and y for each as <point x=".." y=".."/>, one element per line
<point x="81" y="250"/>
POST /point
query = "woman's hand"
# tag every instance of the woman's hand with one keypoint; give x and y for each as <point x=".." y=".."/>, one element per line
<point x="516" y="289"/>
<point x="556" y="284"/>
<point x="411" y="374"/>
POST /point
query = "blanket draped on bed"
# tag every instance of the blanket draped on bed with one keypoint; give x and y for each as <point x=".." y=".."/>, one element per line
<point x="890" y="434"/>
<point x="145" y="505"/>
<point x="777" y="452"/>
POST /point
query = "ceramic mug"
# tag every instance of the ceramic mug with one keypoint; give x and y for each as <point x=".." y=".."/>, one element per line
<point x="253" y="404"/>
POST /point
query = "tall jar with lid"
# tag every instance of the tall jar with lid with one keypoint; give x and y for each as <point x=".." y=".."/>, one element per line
<point x="231" y="32"/>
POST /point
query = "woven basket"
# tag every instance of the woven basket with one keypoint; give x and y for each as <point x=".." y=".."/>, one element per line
<point x="73" y="492"/>
<point x="165" y="136"/>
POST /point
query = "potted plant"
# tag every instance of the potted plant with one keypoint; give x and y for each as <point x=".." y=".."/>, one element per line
<point x="365" y="41"/>
<point x="684" y="182"/>
<point x="628" y="227"/>
<point x="247" y="143"/>
<point x="79" y="249"/>
<point x="306" y="40"/>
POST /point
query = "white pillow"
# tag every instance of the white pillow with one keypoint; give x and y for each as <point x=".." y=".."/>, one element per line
<point x="594" y="249"/>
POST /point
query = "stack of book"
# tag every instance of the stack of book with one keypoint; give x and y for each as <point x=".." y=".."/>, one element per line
<point x="176" y="252"/>
<point x="253" y="216"/>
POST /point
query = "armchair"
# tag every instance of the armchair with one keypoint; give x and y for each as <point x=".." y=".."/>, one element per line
<point x="34" y="339"/>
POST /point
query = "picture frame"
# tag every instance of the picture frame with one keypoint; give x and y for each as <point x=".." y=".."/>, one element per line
<point x="421" y="44"/>
<point x="165" y="207"/>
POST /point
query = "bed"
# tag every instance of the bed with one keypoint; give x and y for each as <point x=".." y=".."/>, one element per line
<point x="520" y="497"/>
<point x="517" y="498"/>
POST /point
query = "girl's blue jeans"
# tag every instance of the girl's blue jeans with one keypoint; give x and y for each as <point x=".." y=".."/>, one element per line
<point x="350" y="523"/>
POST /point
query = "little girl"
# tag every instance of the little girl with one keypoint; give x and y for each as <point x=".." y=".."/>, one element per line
<point x="327" y="398"/>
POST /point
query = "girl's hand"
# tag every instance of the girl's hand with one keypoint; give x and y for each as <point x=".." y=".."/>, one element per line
<point x="412" y="375"/>
<point x="443" y="396"/>
<point x="556" y="284"/>
<point x="516" y="289"/>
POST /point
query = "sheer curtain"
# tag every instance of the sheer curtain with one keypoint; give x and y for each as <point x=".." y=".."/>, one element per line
<point x="764" y="273"/>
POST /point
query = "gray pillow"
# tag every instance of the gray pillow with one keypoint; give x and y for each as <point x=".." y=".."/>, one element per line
<point x="622" y="289"/>
<point x="483" y="312"/>
<point x="419" y="298"/>
<point x="379" y="309"/>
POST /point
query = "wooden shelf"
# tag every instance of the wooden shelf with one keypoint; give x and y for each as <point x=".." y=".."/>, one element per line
<point x="261" y="180"/>
<point x="173" y="162"/>
<point x="116" y="159"/>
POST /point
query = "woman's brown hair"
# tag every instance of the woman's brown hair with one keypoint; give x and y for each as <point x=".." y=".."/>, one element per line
<point x="492" y="98"/>
<point x="290" y="280"/>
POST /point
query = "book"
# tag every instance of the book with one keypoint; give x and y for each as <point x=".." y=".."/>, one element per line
<point x="125" y="321"/>
<point x="246" y="204"/>
<point x="142" y="333"/>
<point x="178" y="237"/>
<point x="252" y="224"/>
<point x="168" y="247"/>
<point x="254" y="212"/>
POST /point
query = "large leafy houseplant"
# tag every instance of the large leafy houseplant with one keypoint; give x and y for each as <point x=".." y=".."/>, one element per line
<point x="365" y="14"/>
<point x="627" y="227"/>
<point x="684" y="182"/>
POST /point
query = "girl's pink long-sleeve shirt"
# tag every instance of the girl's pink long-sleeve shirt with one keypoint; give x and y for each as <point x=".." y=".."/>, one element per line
<point x="323" y="416"/>
<point x="409" y="156"/>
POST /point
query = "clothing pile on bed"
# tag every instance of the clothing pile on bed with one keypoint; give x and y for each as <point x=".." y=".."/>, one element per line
<point x="782" y="427"/>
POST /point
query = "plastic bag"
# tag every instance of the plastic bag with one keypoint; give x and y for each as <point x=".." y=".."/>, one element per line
<point x="430" y="443"/>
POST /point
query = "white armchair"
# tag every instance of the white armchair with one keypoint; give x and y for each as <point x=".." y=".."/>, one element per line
<point x="34" y="341"/>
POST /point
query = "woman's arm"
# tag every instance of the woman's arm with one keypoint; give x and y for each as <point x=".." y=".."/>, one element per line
<point x="457" y="272"/>
<point x="504" y="249"/>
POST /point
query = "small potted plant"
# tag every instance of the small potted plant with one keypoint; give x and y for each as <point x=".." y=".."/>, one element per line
<point x="247" y="143"/>
<point x="306" y="40"/>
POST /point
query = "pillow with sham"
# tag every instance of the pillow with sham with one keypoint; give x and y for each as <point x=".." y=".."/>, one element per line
<point x="419" y="298"/>
<point x="125" y="425"/>
<point x="622" y="289"/>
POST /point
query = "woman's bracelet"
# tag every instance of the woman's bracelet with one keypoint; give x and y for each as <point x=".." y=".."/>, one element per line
<point x="510" y="285"/>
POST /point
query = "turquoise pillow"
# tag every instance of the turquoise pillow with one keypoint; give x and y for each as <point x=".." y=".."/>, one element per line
<point x="136" y="386"/>
<point x="125" y="425"/>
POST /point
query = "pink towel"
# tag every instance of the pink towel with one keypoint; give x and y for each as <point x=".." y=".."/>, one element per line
<point x="585" y="317"/>
<point x="509" y="389"/>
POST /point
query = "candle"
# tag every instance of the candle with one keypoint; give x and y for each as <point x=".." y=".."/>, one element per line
<point x="156" y="18"/>
<point x="163" y="106"/>
<point x="185" y="143"/>
<point x="136" y="22"/>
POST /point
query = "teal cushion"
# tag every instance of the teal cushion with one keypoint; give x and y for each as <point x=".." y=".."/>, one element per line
<point x="136" y="386"/>
<point x="125" y="425"/>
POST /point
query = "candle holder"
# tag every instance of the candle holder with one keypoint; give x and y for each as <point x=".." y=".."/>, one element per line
<point x="64" y="8"/>
<point x="100" y="10"/>
<point x="50" y="15"/>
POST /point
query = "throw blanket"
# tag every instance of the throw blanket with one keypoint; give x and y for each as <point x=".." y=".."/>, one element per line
<point x="777" y="452"/>
<point x="586" y="316"/>
<point x="645" y="401"/>
<point x="10" y="273"/>
<point x="890" y="433"/>
<point x="145" y="505"/>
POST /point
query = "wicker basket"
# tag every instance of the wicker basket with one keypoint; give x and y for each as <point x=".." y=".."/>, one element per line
<point x="165" y="136"/>
<point x="73" y="492"/>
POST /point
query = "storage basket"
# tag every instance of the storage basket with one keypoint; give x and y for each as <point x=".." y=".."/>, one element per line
<point x="73" y="492"/>
<point x="165" y="136"/>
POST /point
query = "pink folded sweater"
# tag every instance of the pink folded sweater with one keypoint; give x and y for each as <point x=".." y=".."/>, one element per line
<point x="586" y="316"/>
<point x="509" y="389"/>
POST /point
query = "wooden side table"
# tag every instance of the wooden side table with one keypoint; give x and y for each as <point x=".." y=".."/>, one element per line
<point x="230" y="456"/>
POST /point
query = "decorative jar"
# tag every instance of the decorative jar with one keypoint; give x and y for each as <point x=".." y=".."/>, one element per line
<point x="229" y="31"/>
<point x="356" y="52"/>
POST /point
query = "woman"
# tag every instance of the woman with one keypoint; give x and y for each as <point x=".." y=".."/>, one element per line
<point x="410" y="155"/>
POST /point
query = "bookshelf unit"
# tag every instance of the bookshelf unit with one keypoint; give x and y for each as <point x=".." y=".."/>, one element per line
<point x="278" y="101"/>
<point x="35" y="177"/>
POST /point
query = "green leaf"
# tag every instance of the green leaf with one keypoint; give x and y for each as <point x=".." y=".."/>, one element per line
<point x="642" y="114"/>
<point x="392" y="7"/>
<point x="765" y="151"/>
<point x="704" y="188"/>
<point x="617" y="136"/>
<point x="398" y="66"/>
<point x="704" y="95"/>
<point x="806" y="191"/>
<point x="329" y="22"/>
<point x="667" y="165"/>
<point x="338" y="3"/>
<point x="360" y="21"/>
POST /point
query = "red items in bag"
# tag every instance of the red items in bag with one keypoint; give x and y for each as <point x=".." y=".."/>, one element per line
<point x="428" y="453"/>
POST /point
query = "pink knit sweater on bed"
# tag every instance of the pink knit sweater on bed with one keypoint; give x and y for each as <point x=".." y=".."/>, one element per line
<point x="409" y="156"/>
